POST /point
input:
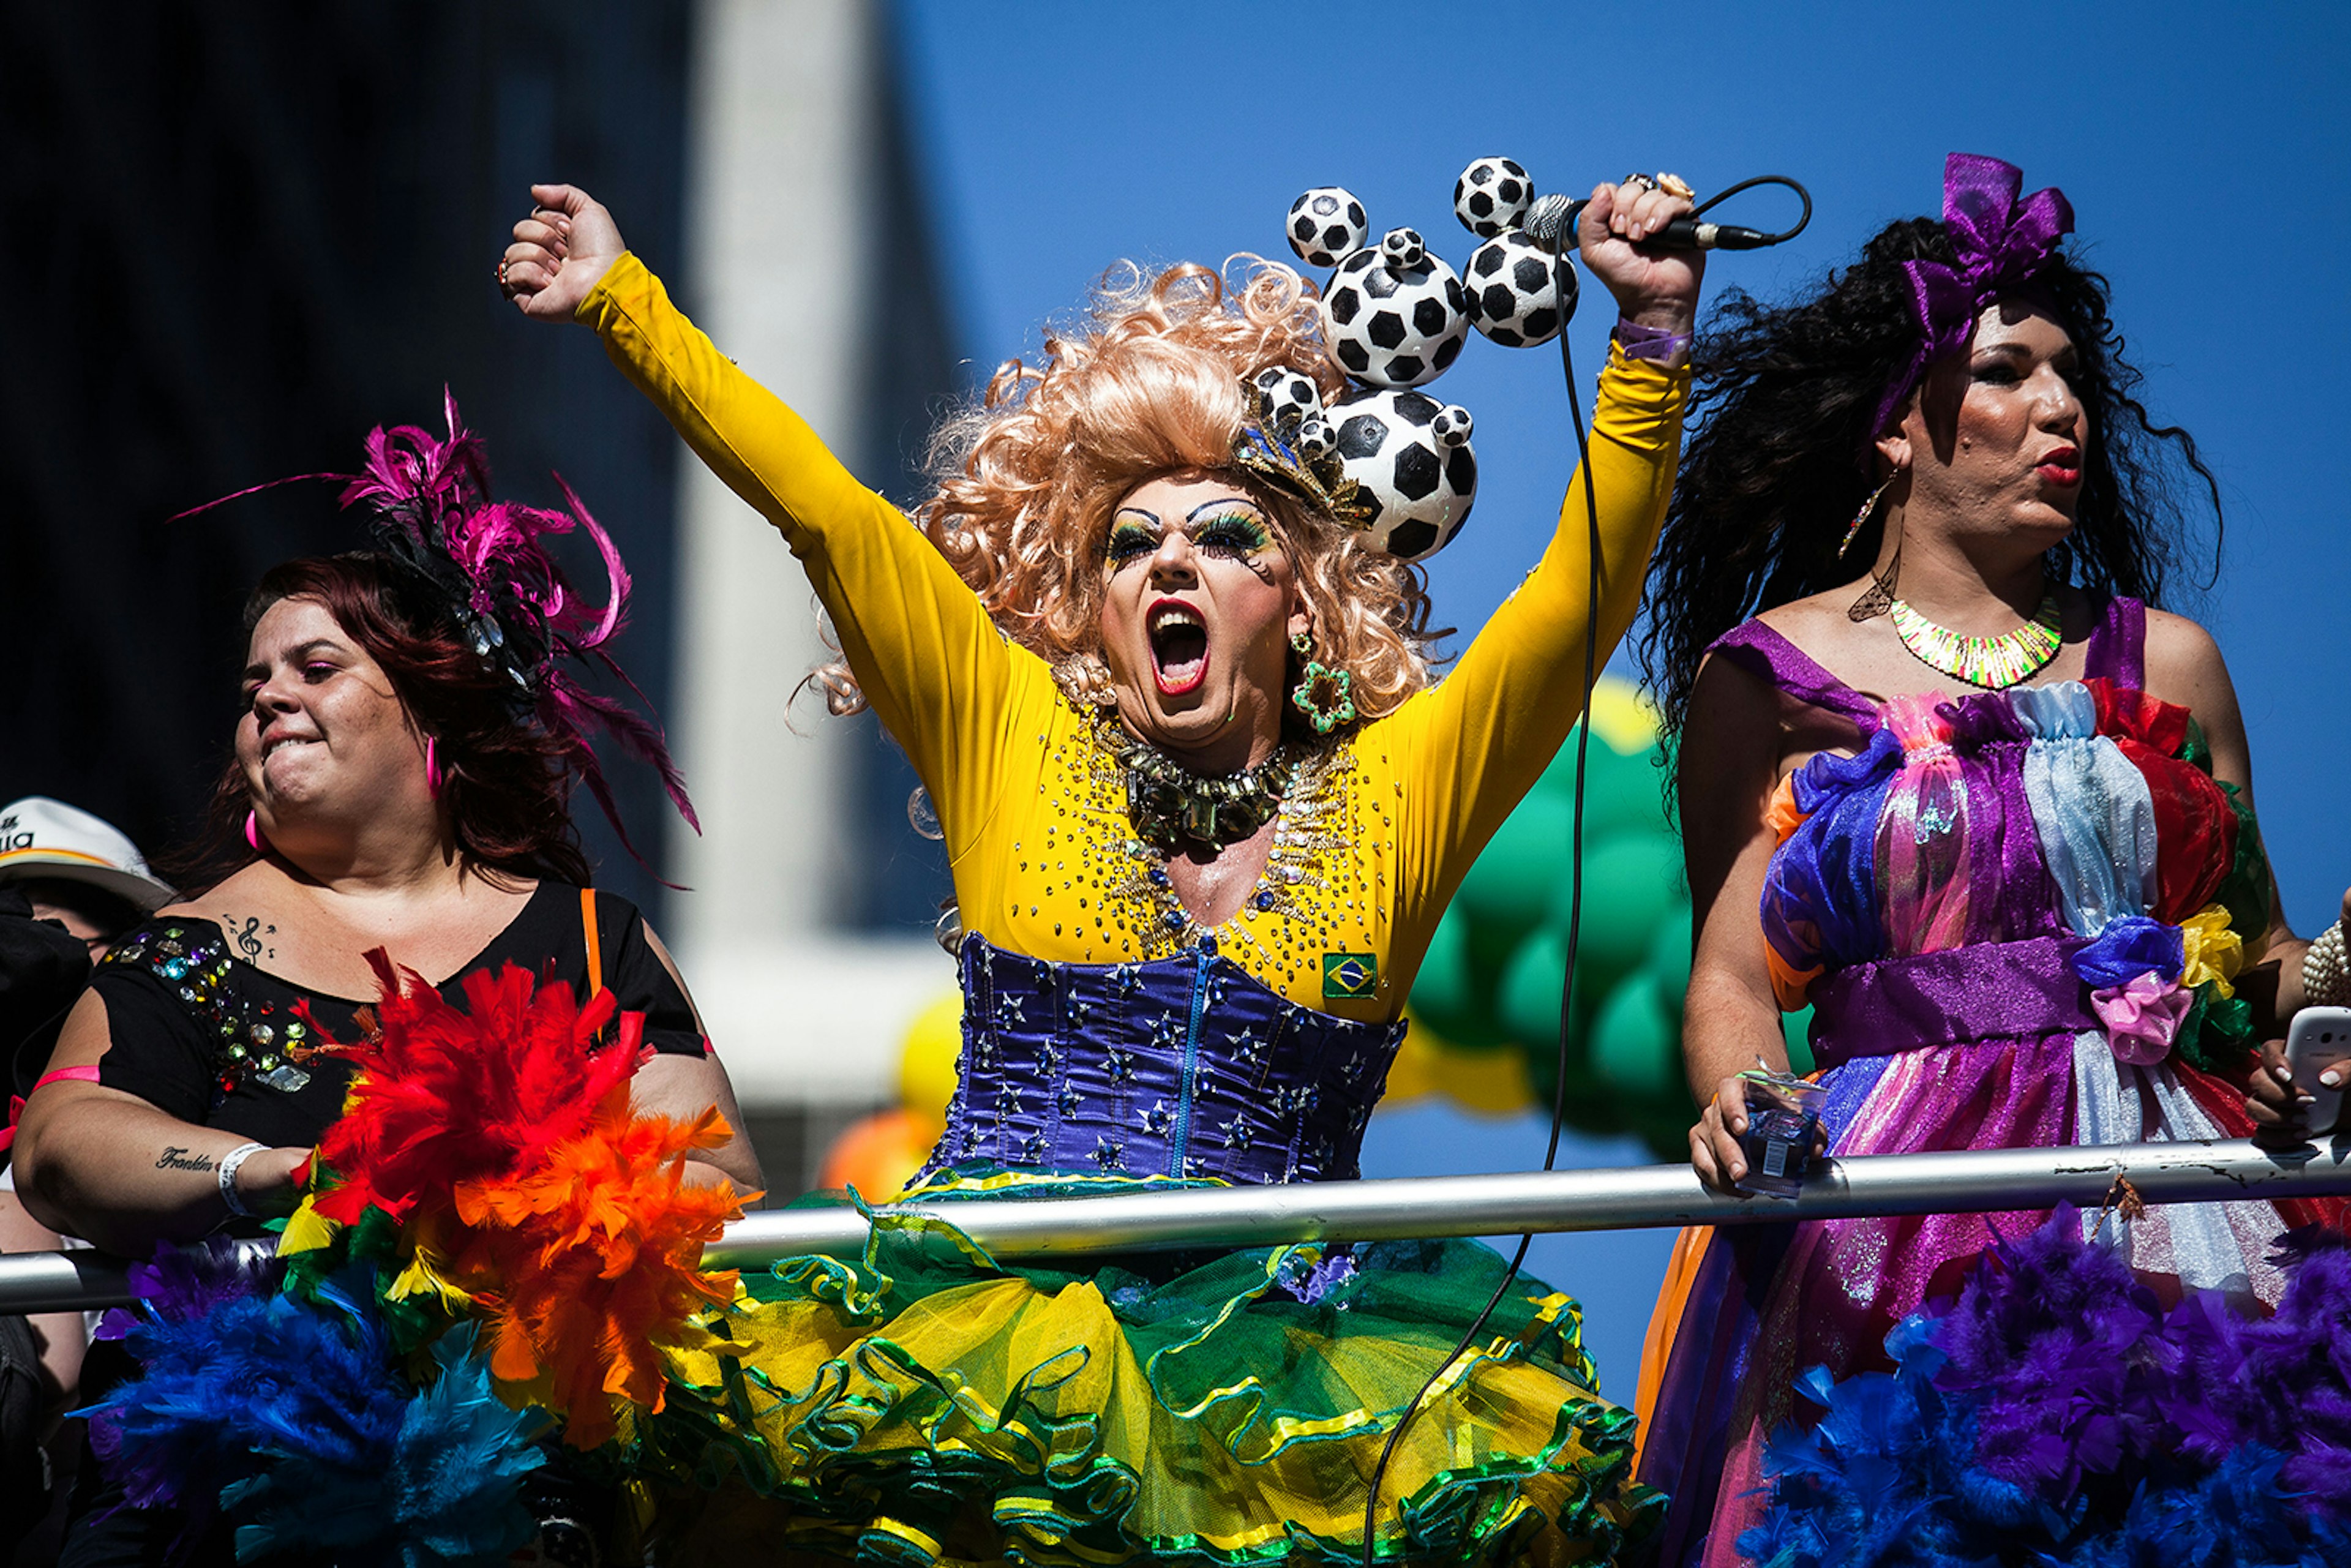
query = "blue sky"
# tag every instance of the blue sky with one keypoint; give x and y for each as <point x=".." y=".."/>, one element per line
<point x="2203" y="147"/>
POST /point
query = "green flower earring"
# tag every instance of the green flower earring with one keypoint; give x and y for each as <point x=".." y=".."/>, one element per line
<point x="1325" y="695"/>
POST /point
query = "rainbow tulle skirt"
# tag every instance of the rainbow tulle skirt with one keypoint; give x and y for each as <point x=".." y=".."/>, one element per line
<point x="927" y="1403"/>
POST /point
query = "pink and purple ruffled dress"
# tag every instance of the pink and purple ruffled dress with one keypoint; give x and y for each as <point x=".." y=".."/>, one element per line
<point x="2017" y="915"/>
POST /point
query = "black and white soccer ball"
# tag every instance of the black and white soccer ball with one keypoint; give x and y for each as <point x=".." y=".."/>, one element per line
<point x="1292" y="408"/>
<point x="1325" y="223"/>
<point x="1411" y="454"/>
<point x="1492" y="195"/>
<point x="1290" y="396"/>
<point x="1395" y="323"/>
<point x="1514" y="293"/>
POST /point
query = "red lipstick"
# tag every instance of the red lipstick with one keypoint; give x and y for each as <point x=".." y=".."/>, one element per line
<point x="1179" y="646"/>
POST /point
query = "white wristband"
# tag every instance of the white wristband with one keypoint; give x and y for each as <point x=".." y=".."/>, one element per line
<point x="227" y="1174"/>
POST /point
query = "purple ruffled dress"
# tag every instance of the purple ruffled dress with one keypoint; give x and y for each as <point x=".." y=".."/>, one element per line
<point x="2017" y="915"/>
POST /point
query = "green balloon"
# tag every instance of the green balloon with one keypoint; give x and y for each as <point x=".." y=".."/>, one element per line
<point x="1530" y="1009"/>
<point x="1626" y="794"/>
<point x="1635" y="1046"/>
<point x="1632" y="884"/>
<point x="1668" y="960"/>
<point x="1623" y="793"/>
<point x="1527" y="1005"/>
<point x="1453" y="992"/>
<point x="1509" y="887"/>
<point x="1588" y="1107"/>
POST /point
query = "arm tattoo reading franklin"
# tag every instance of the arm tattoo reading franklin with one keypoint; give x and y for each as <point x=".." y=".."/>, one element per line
<point x="176" y="1159"/>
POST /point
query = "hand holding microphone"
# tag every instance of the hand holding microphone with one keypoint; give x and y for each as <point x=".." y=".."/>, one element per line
<point x="1615" y="230"/>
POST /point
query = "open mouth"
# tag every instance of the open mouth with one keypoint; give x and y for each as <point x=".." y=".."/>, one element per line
<point x="270" y="748"/>
<point x="1179" y="647"/>
<point x="2062" y="467"/>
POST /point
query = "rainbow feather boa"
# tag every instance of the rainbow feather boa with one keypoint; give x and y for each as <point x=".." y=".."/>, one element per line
<point x="495" y="1246"/>
<point x="2055" y="1413"/>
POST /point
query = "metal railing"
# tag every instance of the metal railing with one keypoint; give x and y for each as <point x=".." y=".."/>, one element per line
<point x="1626" y="1199"/>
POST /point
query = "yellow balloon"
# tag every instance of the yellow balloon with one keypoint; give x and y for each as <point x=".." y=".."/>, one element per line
<point x="926" y="1062"/>
<point x="1623" y="715"/>
<point x="1412" y="1074"/>
<point x="1491" y="1081"/>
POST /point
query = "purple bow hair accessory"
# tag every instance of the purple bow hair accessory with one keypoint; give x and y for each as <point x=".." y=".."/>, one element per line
<point x="2000" y="243"/>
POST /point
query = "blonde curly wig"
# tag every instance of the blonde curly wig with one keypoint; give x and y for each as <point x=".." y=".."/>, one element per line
<point x="1149" y="382"/>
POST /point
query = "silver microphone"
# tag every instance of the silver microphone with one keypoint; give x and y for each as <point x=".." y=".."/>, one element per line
<point x="1550" y="224"/>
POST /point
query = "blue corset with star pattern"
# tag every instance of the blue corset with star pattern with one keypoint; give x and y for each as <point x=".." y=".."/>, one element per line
<point x="1180" y="1066"/>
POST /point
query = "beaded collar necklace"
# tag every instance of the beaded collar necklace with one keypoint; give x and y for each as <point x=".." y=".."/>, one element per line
<point x="1992" y="662"/>
<point x="1169" y="803"/>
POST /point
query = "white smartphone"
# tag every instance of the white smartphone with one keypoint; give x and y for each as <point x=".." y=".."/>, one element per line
<point x="2320" y="1038"/>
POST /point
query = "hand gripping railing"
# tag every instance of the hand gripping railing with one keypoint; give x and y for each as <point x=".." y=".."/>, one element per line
<point x="1627" y="1198"/>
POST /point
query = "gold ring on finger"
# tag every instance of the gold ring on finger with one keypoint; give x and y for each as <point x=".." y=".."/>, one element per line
<point x="1675" y="185"/>
<point x="502" y="271"/>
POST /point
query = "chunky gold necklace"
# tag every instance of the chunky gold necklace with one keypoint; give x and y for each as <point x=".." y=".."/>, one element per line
<point x="1989" y="662"/>
<point x="1169" y="803"/>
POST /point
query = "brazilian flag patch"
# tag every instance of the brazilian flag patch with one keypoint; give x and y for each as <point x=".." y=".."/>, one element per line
<point x="1350" y="976"/>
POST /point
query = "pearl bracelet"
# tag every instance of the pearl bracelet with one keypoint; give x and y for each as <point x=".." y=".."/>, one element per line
<point x="2325" y="977"/>
<point x="227" y="1176"/>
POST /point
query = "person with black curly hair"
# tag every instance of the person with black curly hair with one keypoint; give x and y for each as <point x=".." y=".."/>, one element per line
<point x="1994" y="809"/>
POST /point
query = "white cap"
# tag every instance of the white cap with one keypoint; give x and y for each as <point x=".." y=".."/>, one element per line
<point x="44" y="838"/>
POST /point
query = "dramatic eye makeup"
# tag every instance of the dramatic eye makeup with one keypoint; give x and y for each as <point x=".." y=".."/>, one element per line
<point x="1231" y="532"/>
<point x="1229" y="528"/>
<point x="1130" y="538"/>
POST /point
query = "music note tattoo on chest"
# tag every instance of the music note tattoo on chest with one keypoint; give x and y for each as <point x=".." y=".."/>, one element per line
<point x="248" y="938"/>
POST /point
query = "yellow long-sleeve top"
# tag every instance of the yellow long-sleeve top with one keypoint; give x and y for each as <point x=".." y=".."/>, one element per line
<point x="1370" y="844"/>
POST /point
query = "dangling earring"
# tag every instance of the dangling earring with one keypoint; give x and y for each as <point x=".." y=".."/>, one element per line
<point x="1861" y="517"/>
<point x="252" y="832"/>
<point x="433" y="765"/>
<point x="1325" y="695"/>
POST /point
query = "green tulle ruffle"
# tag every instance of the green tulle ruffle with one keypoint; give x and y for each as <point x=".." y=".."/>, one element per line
<point x="925" y="1403"/>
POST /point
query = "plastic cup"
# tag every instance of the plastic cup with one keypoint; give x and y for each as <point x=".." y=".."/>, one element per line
<point x="1783" y="1121"/>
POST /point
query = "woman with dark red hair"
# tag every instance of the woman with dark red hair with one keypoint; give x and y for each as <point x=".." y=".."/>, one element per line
<point x="406" y="750"/>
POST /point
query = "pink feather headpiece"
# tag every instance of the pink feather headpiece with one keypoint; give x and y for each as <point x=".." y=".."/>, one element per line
<point x="435" y="514"/>
<point x="488" y="560"/>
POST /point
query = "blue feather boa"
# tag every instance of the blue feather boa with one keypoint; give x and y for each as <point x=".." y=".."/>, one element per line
<point x="291" y="1416"/>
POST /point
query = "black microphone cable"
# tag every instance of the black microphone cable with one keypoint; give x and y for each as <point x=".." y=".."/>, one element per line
<point x="1551" y="222"/>
<point x="1740" y="238"/>
<point x="1564" y="282"/>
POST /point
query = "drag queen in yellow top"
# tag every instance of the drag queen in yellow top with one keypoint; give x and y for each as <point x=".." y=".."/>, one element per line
<point x="1205" y="804"/>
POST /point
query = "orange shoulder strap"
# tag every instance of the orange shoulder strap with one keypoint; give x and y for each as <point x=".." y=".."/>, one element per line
<point x="595" y="943"/>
